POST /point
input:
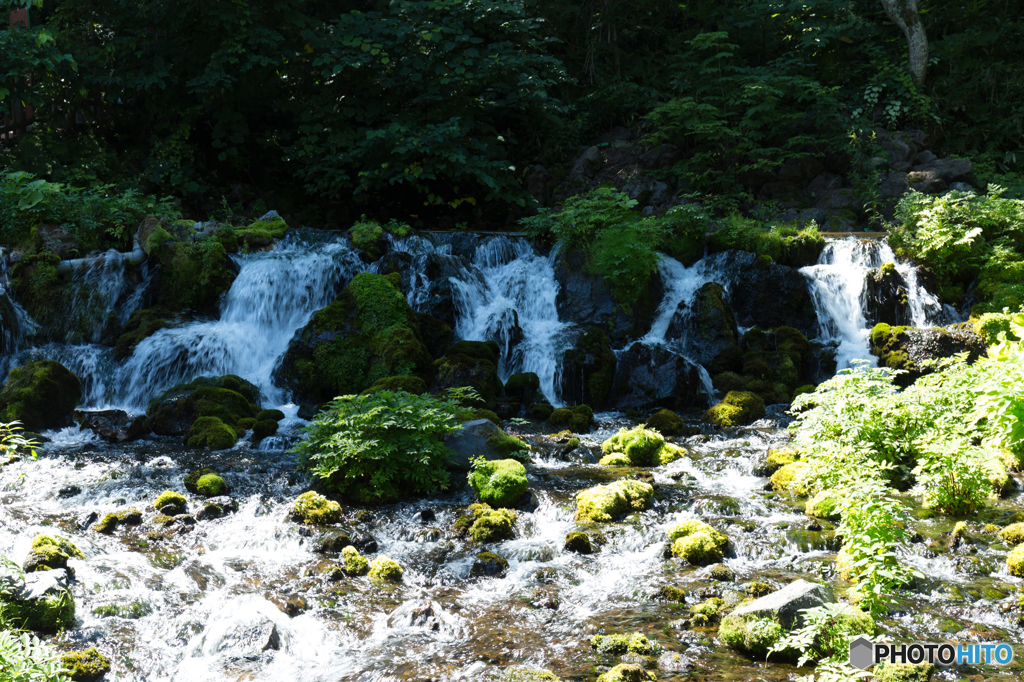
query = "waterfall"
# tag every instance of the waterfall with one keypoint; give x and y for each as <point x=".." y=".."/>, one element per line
<point x="275" y="294"/>
<point x="509" y="296"/>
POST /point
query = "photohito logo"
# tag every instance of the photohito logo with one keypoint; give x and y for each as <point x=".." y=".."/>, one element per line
<point x="864" y="653"/>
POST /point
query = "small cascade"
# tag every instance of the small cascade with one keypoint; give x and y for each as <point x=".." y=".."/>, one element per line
<point x="275" y="294"/>
<point x="509" y="295"/>
<point x="837" y="285"/>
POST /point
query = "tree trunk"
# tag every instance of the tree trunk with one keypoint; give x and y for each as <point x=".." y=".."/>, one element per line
<point x="904" y="14"/>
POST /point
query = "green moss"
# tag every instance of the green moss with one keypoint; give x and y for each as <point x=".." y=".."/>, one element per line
<point x="639" y="444"/>
<point x="478" y="350"/>
<point x="490" y="558"/>
<point x="523" y="386"/>
<point x="792" y="477"/>
<point x="355" y="563"/>
<point x="244" y="425"/>
<point x="140" y="325"/>
<point x="409" y="384"/>
<point x="736" y="409"/>
<point x="616" y="459"/>
<point x="258" y="234"/>
<point x="990" y="325"/>
<point x="264" y="428"/>
<point x="489" y="525"/>
<point x="85" y="666"/>
<point x="311" y="507"/>
<point x="192" y="480"/>
<point x="49" y="614"/>
<point x="211" y="485"/>
<point x="672" y="593"/>
<point x="365" y="234"/>
<point x="633" y="643"/>
<point x="110" y="522"/>
<point x="273" y="415"/>
<point x="169" y="497"/>
<point x="1015" y="561"/>
<point x="578" y="418"/>
<point x="211" y="432"/>
<point x="59" y="543"/>
<point x="779" y="458"/>
<point x="541" y="411"/>
<point x="499" y="483"/>
<point x="522" y="674"/>
<point x="228" y="398"/>
<point x="627" y="672"/>
<point x="903" y="672"/>
<point x="697" y="543"/>
<point x="750" y="634"/>
<point x="824" y="505"/>
<point x="385" y="569"/>
<point x="1013" y="534"/>
<point x="41" y="395"/>
<point x="193" y="275"/>
<point x="603" y="503"/>
<point x="578" y="543"/>
<point x="707" y="612"/>
<point x="888" y="343"/>
<point x="666" y="422"/>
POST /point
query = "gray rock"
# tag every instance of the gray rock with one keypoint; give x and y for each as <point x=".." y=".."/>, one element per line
<point x="660" y="157"/>
<point x="838" y="199"/>
<point x="471" y="441"/>
<point x="42" y="584"/>
<point x="114" y="426"/>
<point x="894" y="185"/>
<point x="652" y="376"/>
<point x="961" y="186"/>
<point x="425" y="616"/>
<point x="587" y="165"/>
<point x="785" y="604"/>
<point x="269" y="215"/>
<point x="824" y="183"/>
<point x="251" y="637"/>
<point x="947" y="169"/>
<point x="926" y="180"/>
<point x="926" y="157"/>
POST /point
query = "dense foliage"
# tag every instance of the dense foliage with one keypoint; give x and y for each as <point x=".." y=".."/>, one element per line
<point x="382" y="446"/>
<point x="947" y="439"/>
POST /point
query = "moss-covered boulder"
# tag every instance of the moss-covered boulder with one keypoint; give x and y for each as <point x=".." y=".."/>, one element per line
<point x="666" y="422"/>
<point x="752" y="634"/>
<point x="141" y="325"/>
<point x="499" y="483"/>
<point x="211" y="432"/>
<point x="355" y="563"/>
<point x="697" y="543"/>
<point x="517" y="673"/>
<point x="708" y="320"/>
<point x="604" y="503"/>
<point x="85" y="666"/>
<point x="793" y="478"/>
<point x="618" y="644"/>
<point x="469" y="363"/>
<point x="488" y="564"/>
<point x="639" y="447"/>
<point x="314" y="508"/>
<point x="170" y="503"/>
<point x="523" y="387"/>
<point x="736" y="409"/>
<point x="775" y="459"/>
<point x="41" y="395"/>
<point x="385" y="569"/>
<point x="369" y="333"/>
<point x="910" y="348"/>
<point x="485" y="524"/>
<point x="824" y="505"/>
<point x="193" y="275"/>
<point x="228" y="398"/>
<point x="1013" y="534"/>
<point x="41" y="601"/>
<point x="627" y="672"/>
<point x="205" y="482"/>
<point x="50" y="552"/>
<point x="508" y="445"/>
<point x="903" y="672"/>
<point x="578" y="543"/>
<point x="577" y="418"/>
<point x="773" y="363"/>
<point x="1015" y="561"/>
<point x="112" y="521"/>
<point x="588" y="369"/>
<point x="258" y="234"/>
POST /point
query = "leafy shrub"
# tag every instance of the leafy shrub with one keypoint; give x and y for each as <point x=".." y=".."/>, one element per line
<point x="25" y="658"/>
<point x="788" y="244"/>
<point x="952" y="477"/>
<point x="382" y="446"/>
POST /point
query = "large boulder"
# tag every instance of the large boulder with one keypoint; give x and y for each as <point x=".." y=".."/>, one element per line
<point x="649" y="376"/>
<point x="114" y="426"/>
<point x="41" y="395"/>
<point x="767" y="294"/>
<point x="588" y="369"/>
<point x="473" y="364"/>
<point x="786" y="604"/>
<point x="587" y="300"/>
<point x="908" y="348"/>
<point x="430" y="280"/>
<point x="41" y="601"/>
<point x="367" y="334"/>
<point x="887" y="296"/>
<point x="193" y="275"/>
<point x="206" y="406"/>
<point x="707" y="323"/>
<point x="473" y="439"/>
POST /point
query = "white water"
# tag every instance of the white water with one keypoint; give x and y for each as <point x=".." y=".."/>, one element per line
<point x="511" y="282"/>
<point x="275" y="294"/>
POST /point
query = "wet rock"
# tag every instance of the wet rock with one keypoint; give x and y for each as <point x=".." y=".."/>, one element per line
<point x="470" y="441"/>
<point x="290" y="605"/>
<point x="578" y="543"/>
<point x="86" y="520"/>
<point x="227" y="398"/>
<point x="41" y="395"/>
<point x="767" y="295"/>
<point x="114" y="426"/>
<point x="251" y="637"/>
<point x="627" y="672"/>
<point x="721" y="573"/>
<point x="488" y="564"/>
<point x="785" y="605"/>
<point x="68" y="491"/>
<point x="216" y="507"/>
<point x="707" y="322"/>
<point x="364" y="542"/>
<point x="908" y="348"/>
<point x="652" y="376"/>
<point x="436" y="294"/>
<point x="85" y="666"/>
<point x="332" y="542"/>
<point x="424" y="516"/>
<point x="42" y="600"/>
<point x="423" y="615"/>
<point x="926" y="181"/>
<point x="887" y="296"/>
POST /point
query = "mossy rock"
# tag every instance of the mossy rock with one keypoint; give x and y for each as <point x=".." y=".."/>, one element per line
<point x="578" y="543"/>
<point x="193" y="275"/>
<point x="523" y="386"/>
<point x="355" y="563"/>
<point x="488" y="564"/>
<point x="245" y="424"/>
<point x="627" y="672"/>
<point x="409" y="384"/>
<point x="751" y="634"/>
<point x="1013" y="534"/>
<point x="824" y="505"/>
<point x="49" y="614"/>
<point x="639" y="446"/>
<point x="697" y="543"/>
<point x="263" y="428"/>
<point x="126" y="517"/>
<point x="485" y="524"/>
<point x="49" y="552"/>
<point x="229" y="398"/>
<point x="736" y="409"/>
<point x="385" y="569"/>
<point x="505" y="444"/>
<point x="707" y="612"/>
<point x="273" y="415"/>
<point x="41" y="395"/>
<point x="792" y="478"/>
<point x="633" y="643"/>
<point x="998" y="475"/>
<point x="1015" y="561"/>
<point x="369" y="333"/>
<point x="523" y="674"/>
<point x="205" y="482"/>
<point x="259" y="234"/>
<point x="169" y="498"/>
<point x="775" y="460"/>
<point x="457" y="370"/>
<point x="314" y="508"/>
<point x="211" y="432"/>
<point x="577" y="418"/>
<point x="499" y="483"/>
<point x="666" y="422"/>
<point x="478" y="350"/>
<point x="903" y="672"/>
<point x="588" y="369"/>
<point x="604" y="503"/>
<point x="85" y="666"/>
<point x="141" y="325"/>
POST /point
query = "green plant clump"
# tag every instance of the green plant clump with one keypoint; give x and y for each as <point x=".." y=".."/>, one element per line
<point x="355" y="563"/>
<point x="577" y="419"/>
<point x="312" y="507"/>
<point x="383" y="446"/>
<point x="499" y="483"/>
<point x="754" y="636"/>
<point x="205" y="482"/>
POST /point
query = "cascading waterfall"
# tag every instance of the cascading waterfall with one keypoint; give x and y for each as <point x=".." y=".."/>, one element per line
<point x="513" y="300"/>
<point x="275" y="294"/>
<point x="837" y="286"/>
